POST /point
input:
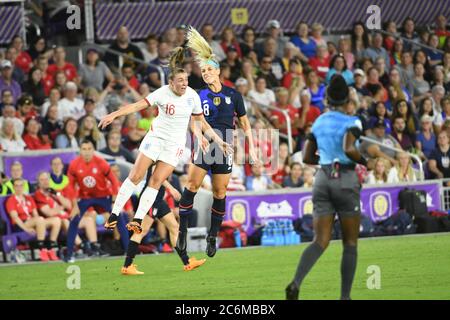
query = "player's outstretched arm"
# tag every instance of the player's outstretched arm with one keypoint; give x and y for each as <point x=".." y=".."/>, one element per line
<point x="126" y="110"/>
<point x="210" y="133"/>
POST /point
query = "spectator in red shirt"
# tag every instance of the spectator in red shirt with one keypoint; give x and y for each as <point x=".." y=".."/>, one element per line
<point x="62" y="65"/>
<point x="24" y="217"/>
<point x="229" y="40"/>
<point x="308" y="113"/>
<point x="33" y="137"/>
<point x="23" y="60"/>
<point x="128" y="73"/>
<point x="278" y="118"/>
<point x="51" y="203"/>
<point x="321" y="62"/>
<point x="97" y="185"/>
<point x="48" y="79"/>
<point x="25" y="108"/>
<point x="283" y="164"/>
<point x="295" y="71"/>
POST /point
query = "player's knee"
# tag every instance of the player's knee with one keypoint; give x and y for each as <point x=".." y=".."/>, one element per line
<point x="135" y="176"/>
<point x="193" y="186"/>
<point x="323" y="242"/>
<point x="350" y="242"/>
<point x="155" y="182"/>
<point x="218" y="206"/>
<point x="219" y="193"/>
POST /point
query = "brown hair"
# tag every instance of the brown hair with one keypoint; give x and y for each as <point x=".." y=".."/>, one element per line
<point x="176" y="61"/>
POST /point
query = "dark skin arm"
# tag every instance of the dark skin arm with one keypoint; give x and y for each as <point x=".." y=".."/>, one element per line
<point x="309" y="152"/>
<point x="350" y="149"/>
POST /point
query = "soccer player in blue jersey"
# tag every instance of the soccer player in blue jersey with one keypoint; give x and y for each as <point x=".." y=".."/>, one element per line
<point x="336" y="188"/>
<point x="220" y="105"/>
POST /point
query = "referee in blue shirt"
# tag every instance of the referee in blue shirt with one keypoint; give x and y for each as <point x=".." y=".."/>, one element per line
<point x="336" y="188"/>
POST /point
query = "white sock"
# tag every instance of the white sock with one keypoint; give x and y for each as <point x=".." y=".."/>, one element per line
<point x="126" y="190"/>
<point x="146" y="202"/>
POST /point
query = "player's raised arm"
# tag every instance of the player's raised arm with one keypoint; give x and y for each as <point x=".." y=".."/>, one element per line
<point x="126" y="110"/>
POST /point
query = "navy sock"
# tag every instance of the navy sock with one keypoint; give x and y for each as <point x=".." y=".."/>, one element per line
<point x="217" y="214"/>
<point x="186" y="204"/>
<point x="131" y="253"/>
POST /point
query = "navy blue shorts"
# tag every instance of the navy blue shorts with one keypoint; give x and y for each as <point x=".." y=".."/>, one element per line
<point x="214" y="160"/>
<point x="161" y="210"/>
<point x="105" y="203"/>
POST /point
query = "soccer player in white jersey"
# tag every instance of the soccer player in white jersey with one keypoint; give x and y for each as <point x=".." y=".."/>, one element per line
<point x="163" y="145"/>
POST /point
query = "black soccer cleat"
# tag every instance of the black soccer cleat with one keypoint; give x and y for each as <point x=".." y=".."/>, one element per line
<point x="182" y="241"/>
<point x="211" y="248"/>
<point x="291" y="292"/>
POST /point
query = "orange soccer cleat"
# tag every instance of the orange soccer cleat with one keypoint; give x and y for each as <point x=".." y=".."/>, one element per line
<point x="193" y="263"/>
<point x="43" y="255"/>
<point x="135" y="227"/>
<point x="52" y="255"/>
<point x="131" y="271"/>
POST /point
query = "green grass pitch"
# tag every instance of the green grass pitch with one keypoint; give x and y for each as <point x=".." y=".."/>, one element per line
<point x="412" y="267"/>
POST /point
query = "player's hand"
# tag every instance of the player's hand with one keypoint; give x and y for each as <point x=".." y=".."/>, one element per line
<point x="253" y="157"/>
<point x="204" y="145"/>
<point x="175" y="194"/>
<point x="226" y="148"/>
<point x="106" y="120"/>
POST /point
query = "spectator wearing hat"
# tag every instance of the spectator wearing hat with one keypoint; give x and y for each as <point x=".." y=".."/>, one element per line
<point x="304" y="42"/>
<point x="59" y="55"/>
<point x="94" y="72"/>
<point x="426" y="139"/>
<point x="26" y="109"/>
<point x="33" y="136"/>
<point x="34" y="86"/>
<point x="71" y="105"/>
<point x="338" y="65"/>
<point x="7" y="81"/>
<point x="360" y="82"/>
<point x="373" y="151"/>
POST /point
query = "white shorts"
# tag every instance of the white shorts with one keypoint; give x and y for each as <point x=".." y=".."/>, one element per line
<point x="158" y="149"/>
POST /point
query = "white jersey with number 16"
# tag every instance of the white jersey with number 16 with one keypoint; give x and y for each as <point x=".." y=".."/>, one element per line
<point x="174" y="113"/>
